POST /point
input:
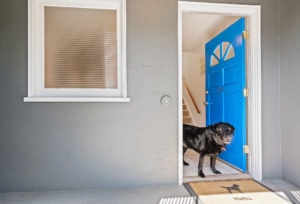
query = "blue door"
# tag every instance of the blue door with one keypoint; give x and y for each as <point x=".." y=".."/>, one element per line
<point x="225" y="83"/>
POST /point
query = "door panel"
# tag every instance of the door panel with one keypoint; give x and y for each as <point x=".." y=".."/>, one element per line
<point x="225" y="81"/>
<point x="230" y="75"/>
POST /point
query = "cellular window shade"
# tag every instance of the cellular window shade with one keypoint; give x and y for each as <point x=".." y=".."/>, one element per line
<point x="80" y="48"/>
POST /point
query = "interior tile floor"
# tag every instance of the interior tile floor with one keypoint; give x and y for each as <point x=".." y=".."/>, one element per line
<point x="190" y="173"/>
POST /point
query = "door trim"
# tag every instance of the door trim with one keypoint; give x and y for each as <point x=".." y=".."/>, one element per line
<point x="253" y="78"/>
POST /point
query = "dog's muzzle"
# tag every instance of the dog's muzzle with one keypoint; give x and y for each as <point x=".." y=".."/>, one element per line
<point x="227" y="139"/>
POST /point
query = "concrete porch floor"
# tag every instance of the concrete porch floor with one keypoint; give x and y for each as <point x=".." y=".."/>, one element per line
<point x="140" y="195"/>
<point x="145" y="195"/>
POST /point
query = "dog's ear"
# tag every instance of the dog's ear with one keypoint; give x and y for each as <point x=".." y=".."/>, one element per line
<point x="218" y="128"/>
<point x="231" y="128"/>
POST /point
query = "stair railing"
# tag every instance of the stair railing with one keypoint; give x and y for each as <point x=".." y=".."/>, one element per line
<point x="191" y="97"/>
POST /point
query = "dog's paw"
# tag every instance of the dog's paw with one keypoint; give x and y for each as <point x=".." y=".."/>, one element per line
<point x="185" y="163"/>
<point x="217" y="172"/>
<point x="201" y="174"/>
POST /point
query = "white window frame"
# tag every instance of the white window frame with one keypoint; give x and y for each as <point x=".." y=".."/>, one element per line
<point x="36" y="90"/>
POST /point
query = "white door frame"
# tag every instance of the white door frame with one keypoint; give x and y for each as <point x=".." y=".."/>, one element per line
<point x="253" y="21"/>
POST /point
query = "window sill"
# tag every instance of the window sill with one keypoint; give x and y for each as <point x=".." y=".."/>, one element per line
<point x="74" y="99"/>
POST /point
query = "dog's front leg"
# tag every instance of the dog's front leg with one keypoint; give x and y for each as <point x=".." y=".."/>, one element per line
<point x="200" y="166"/>
<point x="213" y="159"/>
<point x="184" y="150"/>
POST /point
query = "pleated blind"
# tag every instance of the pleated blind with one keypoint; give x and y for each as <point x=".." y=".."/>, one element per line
<point x="80" y="48"/>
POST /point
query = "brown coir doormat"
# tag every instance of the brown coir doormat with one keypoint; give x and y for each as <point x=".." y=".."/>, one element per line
<point x="235" y="191"/>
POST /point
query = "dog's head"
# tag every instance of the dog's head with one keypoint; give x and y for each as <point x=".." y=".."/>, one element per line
<point x="224" y="133"/>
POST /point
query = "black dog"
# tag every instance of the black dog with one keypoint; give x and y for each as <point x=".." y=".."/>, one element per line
<point x="209" y="140"/>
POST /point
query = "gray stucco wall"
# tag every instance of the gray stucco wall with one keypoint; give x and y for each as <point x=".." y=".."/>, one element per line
<point x="271" y="137"/>
<point x="289" y="90"/>
<point x="46" y="146"/>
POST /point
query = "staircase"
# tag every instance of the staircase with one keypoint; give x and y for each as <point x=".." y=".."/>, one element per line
<point x="186" y="114"/>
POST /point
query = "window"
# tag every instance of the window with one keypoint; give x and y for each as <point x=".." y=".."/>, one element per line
<point x="223" y="52"/>
<point x="77" y="50"/>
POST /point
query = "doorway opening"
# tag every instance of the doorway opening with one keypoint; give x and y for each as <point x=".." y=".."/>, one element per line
<point x="197" y="24"/>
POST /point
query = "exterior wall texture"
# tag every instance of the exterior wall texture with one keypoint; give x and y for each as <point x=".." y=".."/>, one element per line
<point x="289" y="89"/>
<point x="53" y="146"/>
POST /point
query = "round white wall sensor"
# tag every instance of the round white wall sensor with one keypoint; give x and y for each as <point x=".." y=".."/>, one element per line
<point x="166" y="100"/>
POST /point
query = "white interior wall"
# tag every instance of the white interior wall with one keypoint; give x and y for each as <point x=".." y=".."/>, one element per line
<point x="194" y="76"/>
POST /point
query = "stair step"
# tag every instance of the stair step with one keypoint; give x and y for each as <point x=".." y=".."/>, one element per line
<point x="187" y="120"/>
<point x="186" y="113"/>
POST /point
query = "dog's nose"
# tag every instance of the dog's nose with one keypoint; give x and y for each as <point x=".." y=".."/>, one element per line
<point x="227" y="139"/>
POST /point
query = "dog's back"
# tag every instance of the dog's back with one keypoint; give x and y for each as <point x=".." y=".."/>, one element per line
<point x="192" y="136"/>
<point x="190" y="130"/>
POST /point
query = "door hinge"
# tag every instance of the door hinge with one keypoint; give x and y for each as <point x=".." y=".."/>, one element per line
<point x="246" y="92"/>
<point x="246" y="149"/>
<point x="245" y="34"/>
